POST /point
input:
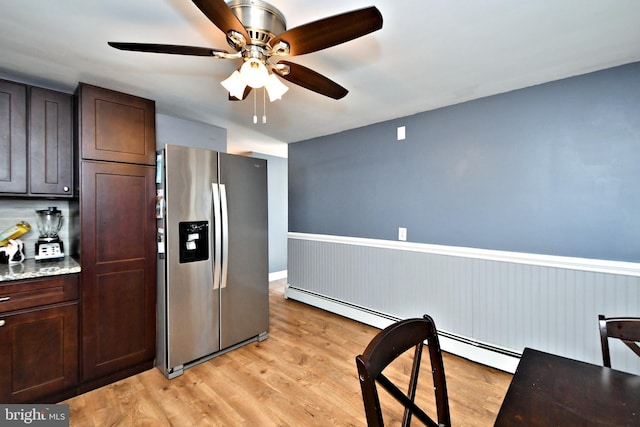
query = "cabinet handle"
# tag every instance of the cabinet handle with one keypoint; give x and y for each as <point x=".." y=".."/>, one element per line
<point x="2" y="322"/>
<point x="66" y="189"/>
<point x="3" y="299"/>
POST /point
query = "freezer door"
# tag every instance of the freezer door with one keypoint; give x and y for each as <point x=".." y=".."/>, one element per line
<point x="245" y="292"/>
<point x="192" y="302"/>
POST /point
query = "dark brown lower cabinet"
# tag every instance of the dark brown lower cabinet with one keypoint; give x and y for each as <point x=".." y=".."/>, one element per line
<point x="117" y="205"/>
<point x="58" y="339"/>
<point x="39" y="336"/>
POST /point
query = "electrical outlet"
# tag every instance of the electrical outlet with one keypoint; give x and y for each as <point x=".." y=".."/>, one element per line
<point x="402" y="233"/>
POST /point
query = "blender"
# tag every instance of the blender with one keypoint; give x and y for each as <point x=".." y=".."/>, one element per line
<point x="49" y="245"/>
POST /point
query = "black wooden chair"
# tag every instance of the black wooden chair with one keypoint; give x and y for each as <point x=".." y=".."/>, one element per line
<point x="383" y="349"/>
<point x="626" y="329"/>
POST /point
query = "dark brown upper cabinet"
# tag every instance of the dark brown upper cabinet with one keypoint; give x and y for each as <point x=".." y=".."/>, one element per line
<point x="13" y="137"/>
<point x="115" y="126"/>
<point x="50" y="143"/>
<point x="36" y="141"/>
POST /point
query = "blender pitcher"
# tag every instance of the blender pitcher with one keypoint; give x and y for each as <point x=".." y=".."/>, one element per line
<point x="49" y="222"/>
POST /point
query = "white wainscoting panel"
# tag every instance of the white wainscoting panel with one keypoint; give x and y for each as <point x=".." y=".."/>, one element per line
<point x="488" y="305"/>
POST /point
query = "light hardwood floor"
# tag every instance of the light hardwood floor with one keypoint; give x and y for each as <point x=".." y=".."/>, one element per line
<point x="304" y="374"/>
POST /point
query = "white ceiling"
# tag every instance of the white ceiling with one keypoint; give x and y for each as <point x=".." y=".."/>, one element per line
<point x="429" y="54"/>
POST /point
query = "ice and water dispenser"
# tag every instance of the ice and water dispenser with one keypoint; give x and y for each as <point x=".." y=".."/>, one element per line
<point x="194" y="241"/>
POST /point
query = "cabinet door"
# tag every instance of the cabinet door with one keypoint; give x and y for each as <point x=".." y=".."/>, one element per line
<point x="115" y="126"/>
<point x="39" y="354"/>
<point x="13" y="137"/>
<point x="117" y="205"/>
<point x="50" y="143"/>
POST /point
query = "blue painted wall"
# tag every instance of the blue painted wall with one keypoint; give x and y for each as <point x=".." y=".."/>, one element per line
<point x="551" y="169"/>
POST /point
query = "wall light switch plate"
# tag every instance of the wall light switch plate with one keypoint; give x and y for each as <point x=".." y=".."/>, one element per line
<point x="402" y="233"/>
<point x="401" y="133"/>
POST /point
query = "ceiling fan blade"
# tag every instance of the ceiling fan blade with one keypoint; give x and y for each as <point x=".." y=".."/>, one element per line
<point x="309" y="79"/>
<point x="222" y="17"/>
<point x="330" y="31"/>
<point x="247" y="91"/>
<point x="167" y="48"/>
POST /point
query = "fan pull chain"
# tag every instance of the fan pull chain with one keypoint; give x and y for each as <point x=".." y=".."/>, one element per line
<point x="264" y="106"/>
<point x="255" y="113"/>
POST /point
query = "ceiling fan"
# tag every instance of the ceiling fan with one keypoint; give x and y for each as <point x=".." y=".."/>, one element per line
<point x="257" y="33"/>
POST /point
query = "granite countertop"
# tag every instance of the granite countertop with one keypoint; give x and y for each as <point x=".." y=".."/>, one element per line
<point x="31" y="269"/>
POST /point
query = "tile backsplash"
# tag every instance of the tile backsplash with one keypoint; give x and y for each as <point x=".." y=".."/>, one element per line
<point x="13" y="211"/>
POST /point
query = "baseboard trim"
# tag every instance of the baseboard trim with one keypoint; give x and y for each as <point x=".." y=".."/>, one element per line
<point x="483" y="353"/>
<point x="277" y="275"/>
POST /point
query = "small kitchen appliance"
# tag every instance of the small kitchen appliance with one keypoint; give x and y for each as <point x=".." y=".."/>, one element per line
<point x="49" y="245"/>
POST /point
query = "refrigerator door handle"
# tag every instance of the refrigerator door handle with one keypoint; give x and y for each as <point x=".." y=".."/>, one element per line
<point x="217" y="242"/>
<point x="225" y="235"/>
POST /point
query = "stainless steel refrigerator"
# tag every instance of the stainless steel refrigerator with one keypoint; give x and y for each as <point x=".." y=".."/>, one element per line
<point x="213" y="286"/>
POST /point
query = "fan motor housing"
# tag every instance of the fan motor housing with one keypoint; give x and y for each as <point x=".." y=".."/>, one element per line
<point x="262" y="20"/>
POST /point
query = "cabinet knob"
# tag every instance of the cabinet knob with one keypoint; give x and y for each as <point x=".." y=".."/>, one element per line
<point x="65" y="189"/>
<point x="2" y="322"/>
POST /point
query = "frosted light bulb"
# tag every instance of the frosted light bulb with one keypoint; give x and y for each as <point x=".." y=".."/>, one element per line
<point x="254" y="73"/>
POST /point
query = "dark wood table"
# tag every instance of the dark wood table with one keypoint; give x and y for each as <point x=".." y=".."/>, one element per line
<point x="550" y="390"/>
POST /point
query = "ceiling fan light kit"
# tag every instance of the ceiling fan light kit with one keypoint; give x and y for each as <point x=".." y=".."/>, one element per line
<point x="275" y="88"/>
<point x="235" y="85"/>
<point x="254" y="73"/>
<point x="257" y="31"/>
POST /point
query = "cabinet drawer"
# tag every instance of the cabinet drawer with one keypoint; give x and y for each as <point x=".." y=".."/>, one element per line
<point x="32" y="293"/>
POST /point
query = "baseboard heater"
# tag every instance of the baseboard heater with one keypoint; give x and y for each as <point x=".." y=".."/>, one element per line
<point x="476" y="351"/>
